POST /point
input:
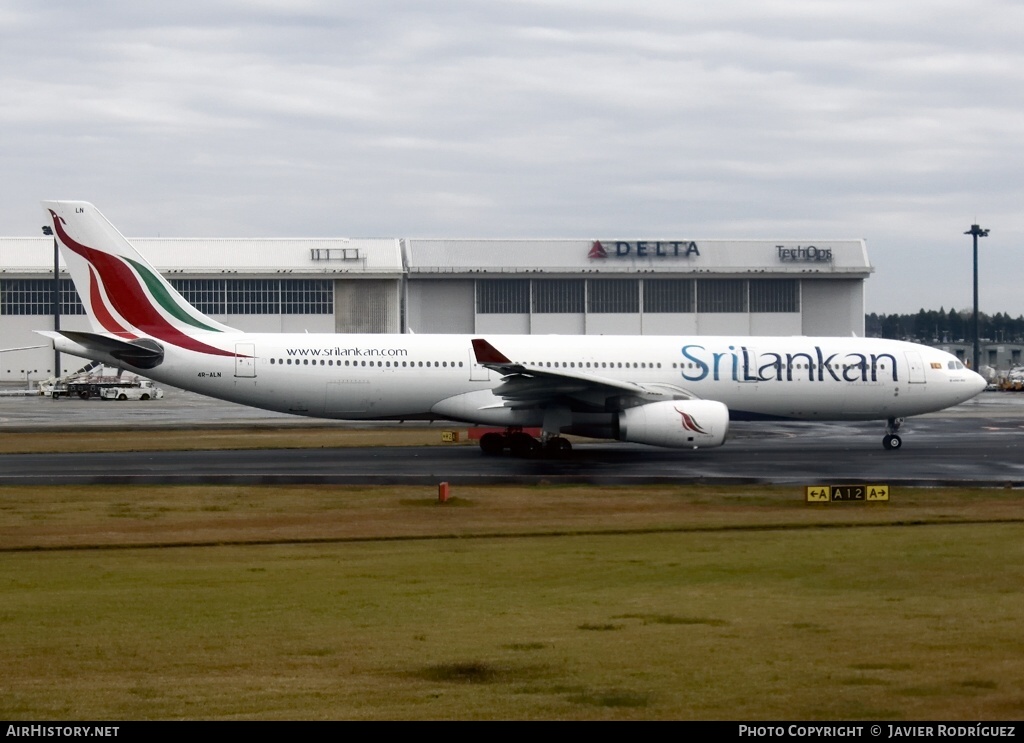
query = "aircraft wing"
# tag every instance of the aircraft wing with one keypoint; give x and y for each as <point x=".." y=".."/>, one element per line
<point x="526" y="386"/>
<point x="21" y="348"/>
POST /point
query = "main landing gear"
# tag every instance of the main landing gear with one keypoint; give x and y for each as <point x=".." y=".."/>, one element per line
<point x="522" y="444"/>
<point x="891" y="440"/>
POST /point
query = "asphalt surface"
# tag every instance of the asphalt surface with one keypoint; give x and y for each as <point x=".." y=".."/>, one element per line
<point x="980" y="442"/>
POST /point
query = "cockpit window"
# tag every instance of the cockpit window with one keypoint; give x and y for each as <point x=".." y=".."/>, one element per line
<point x="955" y="365"/>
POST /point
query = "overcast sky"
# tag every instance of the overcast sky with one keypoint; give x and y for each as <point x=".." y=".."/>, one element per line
<point x="898" y="122"/>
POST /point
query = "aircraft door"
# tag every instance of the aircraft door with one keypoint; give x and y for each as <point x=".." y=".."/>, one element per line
<point x="245" y="360"/>
<point x="477" y="373"/>
<point x="744" y="373"/>
<point x="915" y="368"/>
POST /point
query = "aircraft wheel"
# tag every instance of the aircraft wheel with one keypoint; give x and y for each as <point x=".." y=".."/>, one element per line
<point x="892" y="442"/>
<point x="492" y="444"/>
<point x="522" y="444"/>
<point x="558" y="447"/>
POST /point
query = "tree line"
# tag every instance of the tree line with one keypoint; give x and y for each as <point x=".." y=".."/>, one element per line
<point x="940" y="326"/>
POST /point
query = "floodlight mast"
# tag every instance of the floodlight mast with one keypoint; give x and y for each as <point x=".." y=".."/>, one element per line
<point x="55" y="296"/>
<point x="976" y="232"/>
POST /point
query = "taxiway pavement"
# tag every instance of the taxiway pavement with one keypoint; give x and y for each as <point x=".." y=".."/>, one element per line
<point x="980" y="443"/>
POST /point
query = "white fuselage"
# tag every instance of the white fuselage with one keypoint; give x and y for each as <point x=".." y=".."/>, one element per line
<point x="397" y="377"/>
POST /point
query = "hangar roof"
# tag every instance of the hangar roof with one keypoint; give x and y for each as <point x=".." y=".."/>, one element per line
<point x="424" y="257"/>
<point x="827" y="257"/>
<point x="195" y="255"/>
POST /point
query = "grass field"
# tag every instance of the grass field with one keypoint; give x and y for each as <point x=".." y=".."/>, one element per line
<point x="509" y="603"/>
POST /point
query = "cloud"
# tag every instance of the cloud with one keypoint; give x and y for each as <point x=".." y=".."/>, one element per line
<point x="899" y="123"/>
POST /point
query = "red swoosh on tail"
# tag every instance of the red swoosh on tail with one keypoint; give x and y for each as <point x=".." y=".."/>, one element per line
<point x="130" y="300"/>
<point x="99" y="308"/>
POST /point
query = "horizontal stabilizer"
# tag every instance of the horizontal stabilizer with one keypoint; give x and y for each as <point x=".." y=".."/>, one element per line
<point x="142" y="353"/>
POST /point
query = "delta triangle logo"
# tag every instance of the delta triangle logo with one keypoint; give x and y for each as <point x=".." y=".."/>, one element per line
<point x="597" y="250"/>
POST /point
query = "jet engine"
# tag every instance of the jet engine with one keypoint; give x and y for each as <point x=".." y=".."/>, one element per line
<point x="677" y="424"/>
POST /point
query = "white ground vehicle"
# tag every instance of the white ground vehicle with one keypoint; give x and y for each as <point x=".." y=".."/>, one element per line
<point x="143" y="389"/>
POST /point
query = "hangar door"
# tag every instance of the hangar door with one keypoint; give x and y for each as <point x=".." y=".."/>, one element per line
<point x="366" y="306"/>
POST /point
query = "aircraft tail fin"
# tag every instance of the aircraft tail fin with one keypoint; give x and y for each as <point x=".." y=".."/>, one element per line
<point x="123" y="294"/>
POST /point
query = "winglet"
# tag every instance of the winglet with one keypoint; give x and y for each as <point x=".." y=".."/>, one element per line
<point x="488" y="354"/>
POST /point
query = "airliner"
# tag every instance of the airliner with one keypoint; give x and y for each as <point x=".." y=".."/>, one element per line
<point x="670" y="391"/>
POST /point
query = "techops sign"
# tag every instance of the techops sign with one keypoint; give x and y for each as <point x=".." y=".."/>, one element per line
<point x="804" y="254"/>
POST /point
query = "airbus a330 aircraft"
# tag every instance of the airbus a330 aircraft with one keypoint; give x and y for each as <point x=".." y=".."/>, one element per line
<point x="669" y="391"/>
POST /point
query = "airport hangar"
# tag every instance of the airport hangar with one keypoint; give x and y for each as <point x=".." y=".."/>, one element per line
<point x="594" y="286"/>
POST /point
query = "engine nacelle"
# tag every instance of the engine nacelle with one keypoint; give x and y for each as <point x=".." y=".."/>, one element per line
<point x="678" y="424"/>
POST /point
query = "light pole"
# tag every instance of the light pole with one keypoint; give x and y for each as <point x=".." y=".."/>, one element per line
<point x="976" y="232"/>
<point x="47" y="230"/>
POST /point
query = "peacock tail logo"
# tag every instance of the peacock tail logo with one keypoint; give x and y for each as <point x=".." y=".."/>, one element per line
<point x="689" y="424"/>
<point x="131" y="290"/>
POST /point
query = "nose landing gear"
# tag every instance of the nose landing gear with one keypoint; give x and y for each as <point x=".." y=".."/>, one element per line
<point x="891" y="441"/>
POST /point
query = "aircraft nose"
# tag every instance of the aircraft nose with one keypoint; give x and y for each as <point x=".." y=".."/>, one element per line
<point x="977" y="382"/>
